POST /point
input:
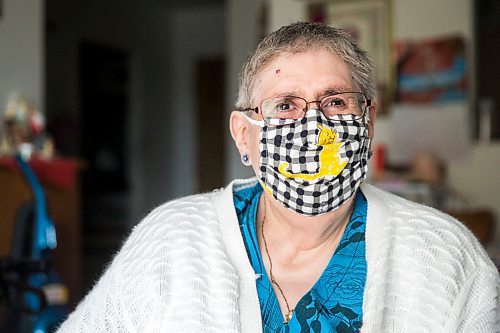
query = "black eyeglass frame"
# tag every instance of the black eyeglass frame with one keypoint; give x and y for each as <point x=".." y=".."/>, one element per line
<point x="258" y="109"/>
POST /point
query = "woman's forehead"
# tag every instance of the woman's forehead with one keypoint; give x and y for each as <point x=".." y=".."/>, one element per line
<point x="307" y="74"/>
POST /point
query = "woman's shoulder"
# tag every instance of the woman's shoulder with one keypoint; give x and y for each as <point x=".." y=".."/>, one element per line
<point x="203" y="205"/>
<point x="196" y="218"/>
<point x="415" y="217"/>
<point x="187" y="207"/>
<point x="426" y="259"/>
<point x="422" y="230"/>
<point x="182" y="215"/>
<point x="171" y="255"/>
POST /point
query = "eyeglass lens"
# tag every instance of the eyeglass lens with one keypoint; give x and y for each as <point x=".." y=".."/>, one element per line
<point x="287" y="109"/>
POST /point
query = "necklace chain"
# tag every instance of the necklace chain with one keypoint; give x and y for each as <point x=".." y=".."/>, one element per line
<point x="289" y="313"/>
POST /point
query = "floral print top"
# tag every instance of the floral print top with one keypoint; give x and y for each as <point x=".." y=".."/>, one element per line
<point x="334" y="304"/>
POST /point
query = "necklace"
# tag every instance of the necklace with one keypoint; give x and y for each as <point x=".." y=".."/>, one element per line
<point x="289" y="313"/>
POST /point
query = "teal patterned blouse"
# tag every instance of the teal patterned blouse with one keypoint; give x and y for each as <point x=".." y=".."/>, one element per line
<point x="334" y="304"/>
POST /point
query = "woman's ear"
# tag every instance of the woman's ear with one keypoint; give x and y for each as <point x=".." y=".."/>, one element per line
<point x="239" y="128"/>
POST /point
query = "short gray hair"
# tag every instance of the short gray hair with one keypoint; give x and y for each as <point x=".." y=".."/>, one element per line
<point x="301" y="37"/>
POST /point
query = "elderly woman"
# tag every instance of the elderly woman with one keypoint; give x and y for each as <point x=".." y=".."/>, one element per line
<point x="305" y="247"/>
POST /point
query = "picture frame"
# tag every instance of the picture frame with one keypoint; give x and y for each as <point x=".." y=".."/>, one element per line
<point x="432" y="70"/>
<point x="369" y="23"/>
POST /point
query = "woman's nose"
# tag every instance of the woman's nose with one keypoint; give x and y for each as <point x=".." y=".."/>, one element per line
<point x="307" y="108"/>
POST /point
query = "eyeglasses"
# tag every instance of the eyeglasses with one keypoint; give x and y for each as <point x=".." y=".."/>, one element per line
<point x="286" y="110"/>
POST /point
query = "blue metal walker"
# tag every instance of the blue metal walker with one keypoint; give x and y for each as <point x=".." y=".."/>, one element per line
<point x="35" y="296"/>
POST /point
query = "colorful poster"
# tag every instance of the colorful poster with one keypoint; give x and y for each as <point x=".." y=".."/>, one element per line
<point x="431" y="71"/>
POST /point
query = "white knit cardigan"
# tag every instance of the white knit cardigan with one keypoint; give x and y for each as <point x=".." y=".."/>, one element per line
<point x="184" y="268"/>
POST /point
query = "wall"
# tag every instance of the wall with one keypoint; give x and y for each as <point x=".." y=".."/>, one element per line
<point x="195" y="33"/>
<point x="242" y="38"/>
<point x="21" y="50"/>
<point x="143" y="32"/>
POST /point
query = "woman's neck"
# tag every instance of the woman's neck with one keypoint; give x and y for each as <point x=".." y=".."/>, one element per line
<point x="296" y="249"/>
<point x="293" y="237"/>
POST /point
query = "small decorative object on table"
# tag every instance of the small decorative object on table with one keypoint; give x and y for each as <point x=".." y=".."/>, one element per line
<point x="24" y="134"/>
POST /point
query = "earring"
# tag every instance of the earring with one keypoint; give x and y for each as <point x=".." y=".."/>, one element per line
<point x="245" y="159"/>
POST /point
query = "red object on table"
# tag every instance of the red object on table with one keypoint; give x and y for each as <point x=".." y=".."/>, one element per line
<point x="58" y="172"/>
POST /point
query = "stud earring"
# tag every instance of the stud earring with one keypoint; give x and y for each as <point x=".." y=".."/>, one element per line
<point x="245" y="159"/>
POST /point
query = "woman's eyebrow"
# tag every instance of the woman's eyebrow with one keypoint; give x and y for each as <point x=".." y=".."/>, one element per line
<point x="287" y="93"/>
<point x="334" y="90"/>
<point x="325" y="92"/>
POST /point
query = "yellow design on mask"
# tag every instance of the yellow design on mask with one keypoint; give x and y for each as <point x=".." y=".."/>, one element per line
<point x="330" y="162"/>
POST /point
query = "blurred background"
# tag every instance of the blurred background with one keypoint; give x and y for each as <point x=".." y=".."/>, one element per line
<point x="127" y="105"/>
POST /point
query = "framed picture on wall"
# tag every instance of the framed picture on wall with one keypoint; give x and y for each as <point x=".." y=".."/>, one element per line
<point x="369" y="23"/>
<point x="431" y="71"/>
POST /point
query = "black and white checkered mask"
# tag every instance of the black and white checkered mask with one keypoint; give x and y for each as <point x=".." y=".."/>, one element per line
<point x="315" y="165"/>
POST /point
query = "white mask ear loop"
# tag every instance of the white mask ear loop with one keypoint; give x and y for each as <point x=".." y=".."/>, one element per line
<point x="367" y="116"/>
<point x="369" y="153"/>
<point x="252" y="121"/>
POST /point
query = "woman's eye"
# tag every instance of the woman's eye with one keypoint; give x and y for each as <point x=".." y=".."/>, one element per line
<point x="336" y="102"/>
<point x="284" y="107"/>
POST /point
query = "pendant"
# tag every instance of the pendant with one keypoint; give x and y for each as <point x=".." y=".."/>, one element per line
<point x="288" y="317"/>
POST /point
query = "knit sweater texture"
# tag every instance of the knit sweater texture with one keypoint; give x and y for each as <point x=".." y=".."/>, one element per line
<point x="184" y="268"/>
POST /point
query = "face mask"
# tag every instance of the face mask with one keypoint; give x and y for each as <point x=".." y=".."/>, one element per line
<point x="315" y="165"/>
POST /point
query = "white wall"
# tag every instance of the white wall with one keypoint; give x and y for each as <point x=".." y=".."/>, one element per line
<point x="21" y="50"/>
<point x="477" y="178"/>
<point x="284" y="12"/>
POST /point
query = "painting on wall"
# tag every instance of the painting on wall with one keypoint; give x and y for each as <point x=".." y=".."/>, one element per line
<point x="368" y="22"/>
<point x="431" y="71"/>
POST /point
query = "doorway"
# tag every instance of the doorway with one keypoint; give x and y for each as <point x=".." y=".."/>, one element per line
<point x="104" y="96"/>
<point x="487" y="20"/>
<point x="211" y="123"/>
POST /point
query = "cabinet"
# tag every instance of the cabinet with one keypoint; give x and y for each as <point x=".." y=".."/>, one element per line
<point x="60" y="180"/>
